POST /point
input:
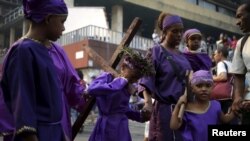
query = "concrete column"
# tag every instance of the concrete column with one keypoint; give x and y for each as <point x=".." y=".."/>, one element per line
<point x="117" y="18"/>
<point x="69" y="3"/>
<point x="25" y="27"/>
<point x="12" y="35"/>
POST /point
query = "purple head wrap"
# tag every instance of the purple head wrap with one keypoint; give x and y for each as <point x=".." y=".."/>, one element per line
<point x="37" y="10"/>
<point x="201" y="76"/>
<point x="190" y="32"/>
<point x="171" y="20"/>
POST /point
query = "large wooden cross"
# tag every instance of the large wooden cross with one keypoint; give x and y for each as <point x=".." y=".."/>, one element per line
<point x="110" y="67"/>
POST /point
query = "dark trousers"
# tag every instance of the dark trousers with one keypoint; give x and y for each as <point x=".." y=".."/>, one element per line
<point x="245" y="118"/>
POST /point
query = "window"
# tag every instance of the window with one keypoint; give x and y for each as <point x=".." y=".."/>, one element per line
<point x="207" y="5"/>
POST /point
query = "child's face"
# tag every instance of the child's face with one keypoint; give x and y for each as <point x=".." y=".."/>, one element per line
<point x="129" y="74"/>
<point x="194" y="42"/>
<point x="202" y="90"/>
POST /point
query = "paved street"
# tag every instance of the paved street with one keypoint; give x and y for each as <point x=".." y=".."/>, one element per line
<point x="136" y="129"/>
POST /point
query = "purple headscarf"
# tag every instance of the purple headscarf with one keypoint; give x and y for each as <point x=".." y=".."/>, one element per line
<point x="201" y="76"/>
<point x="37" y="10"/>
<point x="171" y="20"/>
<point x="190" y="32"/>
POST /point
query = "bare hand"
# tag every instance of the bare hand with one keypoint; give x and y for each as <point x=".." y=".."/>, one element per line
<point x="246" y="105"/>
<point x="237" y="104"/>
<point x="146" y="115"/>
<point x="182" y="100"/>
<point x="147" y="111"/>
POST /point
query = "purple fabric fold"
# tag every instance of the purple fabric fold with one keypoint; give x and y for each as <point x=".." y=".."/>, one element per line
<point x="199" y="61"/>
<point x="6" y="119"/>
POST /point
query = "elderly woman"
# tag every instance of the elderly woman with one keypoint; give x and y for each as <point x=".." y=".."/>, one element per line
<point x="167" y="85"/>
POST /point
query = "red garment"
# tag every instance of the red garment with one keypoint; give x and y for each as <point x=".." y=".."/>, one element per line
<point x="233" y="44"/>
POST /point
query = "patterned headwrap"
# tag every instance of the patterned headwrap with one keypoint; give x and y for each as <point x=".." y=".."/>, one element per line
<point x="171" y="20"/>
<point x="37" y="10"/>
<point x="201" y="76"/>
<point x="190" y="32"/>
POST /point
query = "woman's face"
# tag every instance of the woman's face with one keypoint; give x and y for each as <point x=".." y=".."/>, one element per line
<point x="55" y="26"/>
<point x="174" y="34"/>
<point x="194" y="42"/>
<point x="217" y="56"/>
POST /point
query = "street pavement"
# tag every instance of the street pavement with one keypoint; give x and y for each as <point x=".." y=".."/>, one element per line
<point x="136" y="130"/>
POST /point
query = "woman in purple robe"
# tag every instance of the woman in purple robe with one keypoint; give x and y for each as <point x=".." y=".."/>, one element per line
<point x="167" y="85"/>
<point x="39" y="83"/>
<point x="112" y="96"/>
<point x="197" y="59"/>
<point x="200" y="112"/>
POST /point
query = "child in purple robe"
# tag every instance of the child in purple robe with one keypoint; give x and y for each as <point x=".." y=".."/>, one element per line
<point x="200" y="112"/>
<point x="112" y="96"/>
<point x="39" y="83"/>
<point x="197" y="59"/>
<point x="167" y="85"/>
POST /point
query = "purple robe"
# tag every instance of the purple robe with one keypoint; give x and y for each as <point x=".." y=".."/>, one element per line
<point x="199" y="61"/>
<point x="6" y="119"/>
<point x="113" y="103"/>
<point x="166" y="89"/>
<point x="39" y="85"/>
<point x="195" y="125"/>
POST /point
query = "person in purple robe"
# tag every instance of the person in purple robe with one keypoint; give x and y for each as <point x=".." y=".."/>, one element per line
<point x="197" y="59"/>
<point x="167" y="85"/>
<point x="112" y="98"/>
<point x="199" y="112"/>
<point x="39" y="83"/>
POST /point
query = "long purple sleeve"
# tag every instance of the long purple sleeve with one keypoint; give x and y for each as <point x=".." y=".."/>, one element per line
<point x="102" y="85"/>
<point x="70" y="81"/>
<point x="6" y="119"/>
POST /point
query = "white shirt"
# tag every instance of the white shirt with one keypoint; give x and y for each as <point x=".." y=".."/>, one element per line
<point x="156" y="37"/>
<point x="241" y="64"/>
<point x="221" y="67"/>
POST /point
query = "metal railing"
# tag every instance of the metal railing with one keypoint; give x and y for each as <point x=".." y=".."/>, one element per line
<point x="3" y="51"/>
<point x="16" y="2"/>
<point x="102" y="34"/>
<point x="13" y="15"/>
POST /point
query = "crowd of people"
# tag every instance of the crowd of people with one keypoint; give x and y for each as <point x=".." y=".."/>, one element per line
<point x="39" y="85"/>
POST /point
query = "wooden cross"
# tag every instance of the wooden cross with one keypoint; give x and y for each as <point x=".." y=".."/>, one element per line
<point x="110" y="67"/>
